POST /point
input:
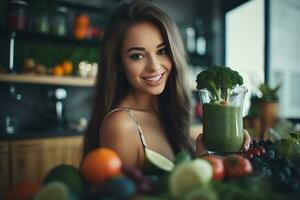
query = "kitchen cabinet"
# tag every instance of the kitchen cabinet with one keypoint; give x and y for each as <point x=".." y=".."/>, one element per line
<point x="31" y="159"/>
<point x="4" y="166"/>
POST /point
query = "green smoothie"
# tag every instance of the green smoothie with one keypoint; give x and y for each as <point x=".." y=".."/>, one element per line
<point x="222" y="128"/>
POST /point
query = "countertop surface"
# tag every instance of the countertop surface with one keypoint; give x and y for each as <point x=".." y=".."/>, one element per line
<point x="57" y="132"/>
<point x="195" y="129"/>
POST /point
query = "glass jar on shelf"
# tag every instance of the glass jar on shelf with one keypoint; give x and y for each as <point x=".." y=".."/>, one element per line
<point x="59" y="21"/>
<point x="17" y="16"/>
<point x="42" y="23"/>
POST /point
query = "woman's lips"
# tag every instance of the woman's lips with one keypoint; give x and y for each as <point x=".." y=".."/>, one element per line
<point x="153" y="80"/>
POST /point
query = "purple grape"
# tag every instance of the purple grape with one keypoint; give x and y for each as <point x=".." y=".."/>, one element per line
<point x="145" y="185"/>
<point x="132" y="172"/>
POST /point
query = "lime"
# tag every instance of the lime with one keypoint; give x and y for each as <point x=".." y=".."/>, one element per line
<point x="120" y="187"/>
<point x="189" y="174"/>
<point x="156" y="163"/>
<point x="55" y="190"/>
<point x="67" y="174"/>
<point x="182" y="156"/>
<point x="203" y="193"/>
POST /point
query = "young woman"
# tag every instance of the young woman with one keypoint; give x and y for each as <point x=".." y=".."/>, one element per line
<point x="140" y="98"/>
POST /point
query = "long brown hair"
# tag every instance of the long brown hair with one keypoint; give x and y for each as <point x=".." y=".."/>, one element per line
<point x="112" y="86"/>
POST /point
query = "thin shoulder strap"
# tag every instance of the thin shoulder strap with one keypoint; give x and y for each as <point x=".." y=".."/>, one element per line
<point x="114" y="110"/>
<point x="137" y="123"/>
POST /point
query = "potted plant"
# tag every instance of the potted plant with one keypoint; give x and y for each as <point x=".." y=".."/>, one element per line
<point x="267" y="106"/>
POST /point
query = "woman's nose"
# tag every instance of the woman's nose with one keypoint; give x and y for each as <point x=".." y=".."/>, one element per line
<point x="153" y="64"/>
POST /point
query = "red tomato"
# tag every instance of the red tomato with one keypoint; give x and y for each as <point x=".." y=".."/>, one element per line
<point x="218" y="167"/>
<point x="236" y="165"/>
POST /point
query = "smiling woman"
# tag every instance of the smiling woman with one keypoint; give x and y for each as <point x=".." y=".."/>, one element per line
<point x="141" y="102"/>
<point x="147" y="63"/>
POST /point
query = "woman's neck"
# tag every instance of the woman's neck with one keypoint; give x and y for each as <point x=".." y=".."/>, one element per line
<point x="143" y="102"/>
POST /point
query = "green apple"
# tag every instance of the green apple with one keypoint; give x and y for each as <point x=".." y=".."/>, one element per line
<point x="187" y="175"/>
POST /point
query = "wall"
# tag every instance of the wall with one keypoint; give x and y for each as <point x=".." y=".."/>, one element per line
<point x="245" y="44"/>
<point x="285" y="54"/>
<point x="36" y="109"/>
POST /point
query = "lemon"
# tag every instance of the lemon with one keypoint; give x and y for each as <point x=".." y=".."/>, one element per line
<point x="67" y="174"/>
<point x="55" y="190"/>
<point x="188" y="175"/>
<point x="156" y="163"/>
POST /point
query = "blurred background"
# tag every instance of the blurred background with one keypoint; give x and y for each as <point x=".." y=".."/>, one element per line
<point x="49" y="56"/>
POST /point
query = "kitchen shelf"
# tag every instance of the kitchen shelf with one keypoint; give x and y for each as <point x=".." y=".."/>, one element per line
<point x="47" y="80"/>
<point x="78" y="6"/>
<point x="30" y="35"/>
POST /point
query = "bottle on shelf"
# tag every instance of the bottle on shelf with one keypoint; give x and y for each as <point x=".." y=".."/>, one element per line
<point x="17" y="16"/>
<point x="59" y="21"/>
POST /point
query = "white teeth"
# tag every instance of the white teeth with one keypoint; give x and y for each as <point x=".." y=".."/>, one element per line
<point x="156" y="78"/>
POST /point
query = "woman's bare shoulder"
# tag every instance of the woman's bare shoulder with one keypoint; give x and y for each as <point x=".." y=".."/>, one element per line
<point x="119" y="121"/>
<point x="118" y="132"/>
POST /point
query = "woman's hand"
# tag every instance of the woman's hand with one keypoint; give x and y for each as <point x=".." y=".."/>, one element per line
<point x="247" y="140"/>
<point x="200" y="147"/>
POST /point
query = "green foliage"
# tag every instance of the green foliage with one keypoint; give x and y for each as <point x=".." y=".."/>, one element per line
<point x="268" y="93"/>
<point x="218" y="80"/>
<point x="50" y="54"/>
<point x="289" y="147"/>
<point x="246" y="188"/>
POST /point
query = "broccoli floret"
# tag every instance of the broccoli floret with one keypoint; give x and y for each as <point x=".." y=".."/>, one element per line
<point x="218" y="80"/>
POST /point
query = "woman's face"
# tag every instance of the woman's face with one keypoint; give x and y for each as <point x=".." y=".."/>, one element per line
<point x="146" y="60"/>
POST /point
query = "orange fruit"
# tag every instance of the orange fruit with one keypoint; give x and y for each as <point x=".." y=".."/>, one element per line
<point x="67" y="67"/>
<point x="99" y="165"/>
<point x="80" y="33"/>
<point x="23" y="191"/>
<point x="58" y="70"/>
<point x="82" y="21"/>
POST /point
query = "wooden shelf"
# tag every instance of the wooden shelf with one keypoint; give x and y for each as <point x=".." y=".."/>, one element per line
<point x="48" y="37"/>
<point x="47" y="80"/>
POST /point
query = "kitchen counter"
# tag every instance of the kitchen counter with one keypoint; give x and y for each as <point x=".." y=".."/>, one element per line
<point x="59" y="132"/>
<point x="195" y="129"/>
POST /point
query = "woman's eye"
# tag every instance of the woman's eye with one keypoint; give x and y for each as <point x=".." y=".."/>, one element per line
<point x="136" y="56"/>
<point x="163" y="51"/>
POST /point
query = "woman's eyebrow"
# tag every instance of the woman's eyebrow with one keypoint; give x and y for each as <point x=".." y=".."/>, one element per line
<point x="143" y="49"/>
<point x="136" y="48"/>
<point x="160" y="45"/>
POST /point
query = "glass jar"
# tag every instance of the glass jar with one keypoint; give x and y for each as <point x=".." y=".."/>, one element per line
<point x="41" y="22"/>
<point x="9" y="125"/>
<point x="223" y="124"/>
<point x="17" y="16"/>
<point x="59" y="23"/>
